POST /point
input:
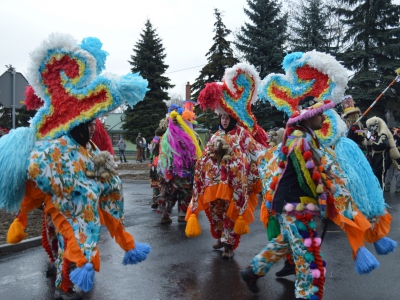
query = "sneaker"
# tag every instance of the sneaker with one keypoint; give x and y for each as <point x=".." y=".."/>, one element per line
<point x="71" y="295"/>
<point x="166" y="220"/>
<point x="218" y="244"/>
<point x="154" y="205"/>
<point x="387" y="188"/>
<point x="228" y="251"/>
<point x="288" y="269"/>
<point x="251" y="279"/>
<point x="181" y="219"/>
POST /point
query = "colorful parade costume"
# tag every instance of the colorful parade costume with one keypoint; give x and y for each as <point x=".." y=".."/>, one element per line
<point x="284" y="91"/>
<point x="226" y="179"/>
<point x="53" y="166"/>
<point x="179" y="149"/>
<point x="393" y="170"/>
<point x="384" y="148"/>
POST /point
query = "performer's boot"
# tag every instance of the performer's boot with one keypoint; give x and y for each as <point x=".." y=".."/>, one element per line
<point x="251" y="279"/>
<point x="288" y="269"/>
<point x="218" y="244"/>
<point x="228" y="251"/>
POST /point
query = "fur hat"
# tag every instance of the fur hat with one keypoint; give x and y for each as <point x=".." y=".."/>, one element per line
<point x="348" y="106"/>
<point x="383" y="129"/>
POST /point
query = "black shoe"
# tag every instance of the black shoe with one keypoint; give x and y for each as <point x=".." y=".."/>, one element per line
<point x="251" y="279"/>
<point x="288" y="269"/>
<point x="154" y="205"/>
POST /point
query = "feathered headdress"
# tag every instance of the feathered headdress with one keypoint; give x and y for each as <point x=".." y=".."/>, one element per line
<point x="234" y="97"/>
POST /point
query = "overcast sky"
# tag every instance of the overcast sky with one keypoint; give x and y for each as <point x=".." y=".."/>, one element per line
<point x="185" y="27"/>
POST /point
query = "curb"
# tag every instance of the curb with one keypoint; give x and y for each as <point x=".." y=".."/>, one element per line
<point x="24" y="245"/>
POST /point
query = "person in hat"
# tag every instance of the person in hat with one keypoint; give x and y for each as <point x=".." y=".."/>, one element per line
<point x="384" y="150"/>
<point x="297" y="191"/>
<point x="394" y="167"/>
<point x="60" y="168"/>
<point x="226" y="182"/>
<point x="356" y="130"/>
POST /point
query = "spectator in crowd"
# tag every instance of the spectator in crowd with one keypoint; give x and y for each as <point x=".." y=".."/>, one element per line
<point x="139" y="148"/>
<point x="121" y="147"/>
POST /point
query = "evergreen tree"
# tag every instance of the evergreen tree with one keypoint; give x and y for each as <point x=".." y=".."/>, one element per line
<point x="22" y="117"/>
<point x="374" y="52"/>
<point x="310" y="30"/>
<point x="262" y="43"/>
<point x="219" y="57"/>
<point x="148" y="59"/>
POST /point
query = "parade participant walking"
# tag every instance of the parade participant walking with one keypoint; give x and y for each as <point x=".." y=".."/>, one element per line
<point x="303" y="185"/>
<point x="355" y="129"/>
<point x="394" y="167"/>
<point x="226" y="183"/>
<point x="139" y="148"/>
<point x="62" y="173"/>
<point x="384" y="148"/>
<point x="121" y="147"/>
<point x="179" y="150"/>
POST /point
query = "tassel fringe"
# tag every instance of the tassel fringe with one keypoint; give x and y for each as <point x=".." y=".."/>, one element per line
<point x="136" y="255"/>
<point x="385" y="246"/>
<point x="240" y="226"/>
<point x="193" y="228"/>
<point x="83" y="277"/>
<point x="365" y="261"/>
<point x="16" y="232"/>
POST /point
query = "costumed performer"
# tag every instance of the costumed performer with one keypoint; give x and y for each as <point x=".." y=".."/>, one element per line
<point x="394" y="167"/>
<point x="60" y="171"/>
<point x="383" y="146"/>
<point x="227" y="183"/>
<point x="179" y="150"/>
<point x="356" y="130"/>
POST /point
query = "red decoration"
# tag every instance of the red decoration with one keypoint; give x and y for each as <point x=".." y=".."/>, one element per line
<point x="32" y="102"/>
<point x="307" y="155"/>
<point x="316" y="177"/>
<point x="209" y="96"/>
<point x="285" y="150"/>
<point x="64" y="111"/>
<point x="281" y="164"/>
<point x="101" y="138"/>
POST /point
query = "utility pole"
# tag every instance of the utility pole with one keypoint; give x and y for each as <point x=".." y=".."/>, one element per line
<point x="11" y="69"/>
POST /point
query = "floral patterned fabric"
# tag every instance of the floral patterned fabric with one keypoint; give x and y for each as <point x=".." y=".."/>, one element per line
<point x="58" y="167"/>
<point x="289" y="241"/>
<point x="231" y="176"/>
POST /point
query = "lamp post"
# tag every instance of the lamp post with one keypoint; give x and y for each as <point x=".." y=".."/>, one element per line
<point x="11" y="69"/>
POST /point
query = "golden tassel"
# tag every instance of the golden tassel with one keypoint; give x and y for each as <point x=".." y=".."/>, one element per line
<point x="193" y="228"/>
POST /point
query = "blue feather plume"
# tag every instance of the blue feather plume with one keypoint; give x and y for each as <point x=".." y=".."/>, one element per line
<point x="136" y="255"/>
<point x="363" y="184"/>
<point x="290" y="58"/>
<point x="385" y="245"/>
<point x="133" y="88"/>
<point x="93" y="45"/>
<point x="83" y="277"/>
<point x="15" y="149"/>
<point x="365" y="261"/>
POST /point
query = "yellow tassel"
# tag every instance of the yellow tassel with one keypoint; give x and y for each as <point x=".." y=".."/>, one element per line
<point x="240" y="226"/>
<point x="320" y="189"/>
<point x="193" y="228"/>
<point x="16" y="232"/>
<point x="398" y="71"/>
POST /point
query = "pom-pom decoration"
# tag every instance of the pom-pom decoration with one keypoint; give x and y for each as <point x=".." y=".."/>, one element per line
<point x="65" y="76"/>
<point x="32" y="102"/>
<point x="210" y="96"/>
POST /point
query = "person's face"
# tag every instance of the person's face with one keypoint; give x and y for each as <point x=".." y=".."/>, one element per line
<point x="315" y="123"/>
<point x="225" y="121"/>
<point x="92" y="128"/>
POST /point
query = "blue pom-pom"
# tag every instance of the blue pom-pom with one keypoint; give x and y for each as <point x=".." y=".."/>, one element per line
<point x="313" y="265"/>
<point x="83" y="277"/>
<point x="268" y="204"/>
<point x="314" y="297"/>
<point x="136" y="255"/>
<point x="93" y="45"/>
<point x="133" y="88"/>
<point x="290" y="58"/>
<point x="385" y="246"/>
<point x="365" y="261"/>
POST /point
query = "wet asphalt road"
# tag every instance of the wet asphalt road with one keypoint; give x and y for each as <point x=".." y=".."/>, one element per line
<point x="183" y="268"/>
